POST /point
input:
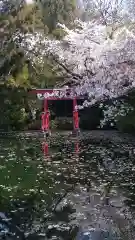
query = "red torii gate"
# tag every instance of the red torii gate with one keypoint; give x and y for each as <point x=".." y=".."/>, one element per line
<point x="57" y="94"/>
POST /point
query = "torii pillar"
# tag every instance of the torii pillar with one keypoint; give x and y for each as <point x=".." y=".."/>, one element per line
<point x="75" y="117"/>
<point x="45" y="118"/>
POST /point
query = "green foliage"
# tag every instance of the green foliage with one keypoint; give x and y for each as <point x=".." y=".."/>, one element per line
<point x="55" y="11"/>
<point x="20" y="79"/>
<point x="90" y="118"/>
<point x="127" y="123"/>
<point x="11" y="57"/>
<point x="58" y="33"/>
<point x="13" y="108"/>
<point x="45" y="75"/>
<point x="54" y="124"/>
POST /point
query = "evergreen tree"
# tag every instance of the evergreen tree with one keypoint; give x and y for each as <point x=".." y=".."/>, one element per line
<point x="54" y="11"/>
<point x="16" y="17"/>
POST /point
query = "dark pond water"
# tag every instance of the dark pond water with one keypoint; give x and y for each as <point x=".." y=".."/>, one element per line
<point x="81" y="190"/>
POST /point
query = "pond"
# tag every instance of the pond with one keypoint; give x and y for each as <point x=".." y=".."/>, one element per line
<point x="79" y="189"/>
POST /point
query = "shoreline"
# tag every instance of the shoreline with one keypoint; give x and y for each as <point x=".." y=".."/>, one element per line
<point x="108" y="135"/>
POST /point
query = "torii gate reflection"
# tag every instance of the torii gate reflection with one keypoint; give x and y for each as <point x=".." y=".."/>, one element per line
<point x="45" y="148"/>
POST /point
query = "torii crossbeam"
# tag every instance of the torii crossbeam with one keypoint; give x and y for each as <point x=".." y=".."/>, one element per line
<point x="57" y="94"/>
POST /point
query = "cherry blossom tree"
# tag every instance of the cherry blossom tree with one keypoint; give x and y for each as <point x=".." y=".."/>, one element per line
<point x="99" y="66"/>
<point x="108" y="11"/>
<point x="131" y="8"/>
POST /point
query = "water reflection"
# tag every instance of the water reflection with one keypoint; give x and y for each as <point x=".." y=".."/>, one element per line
<point x="84" y="187"/>
<point x="45" y="147"/>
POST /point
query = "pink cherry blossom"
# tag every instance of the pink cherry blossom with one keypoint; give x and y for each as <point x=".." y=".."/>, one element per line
<point x="100" y="67"/>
